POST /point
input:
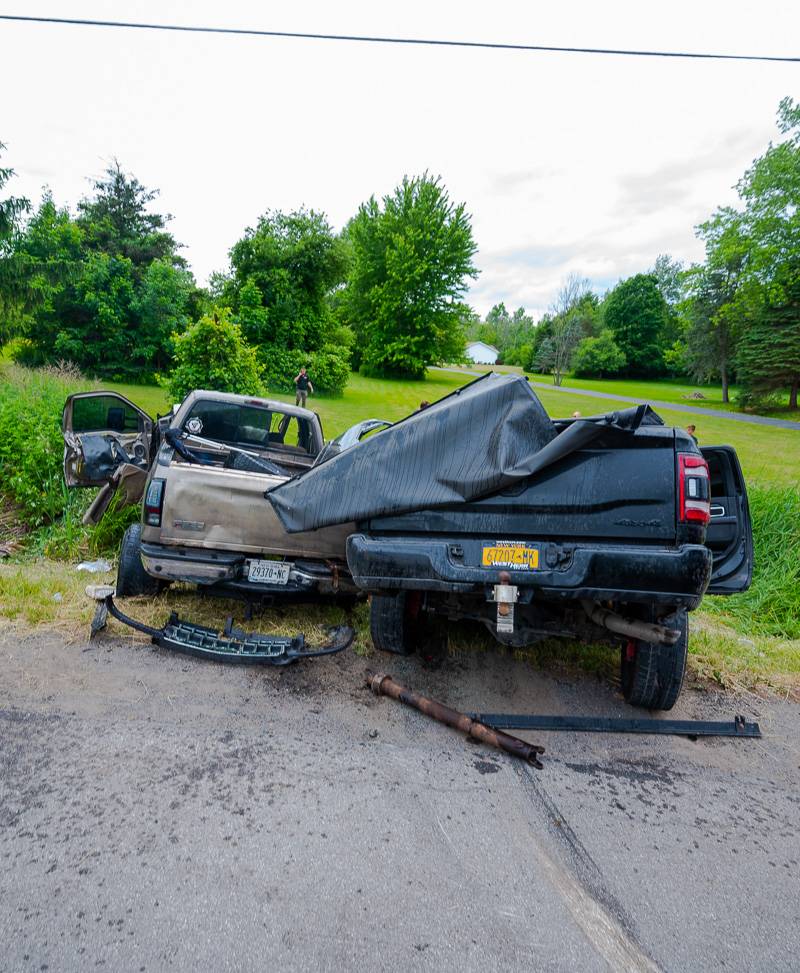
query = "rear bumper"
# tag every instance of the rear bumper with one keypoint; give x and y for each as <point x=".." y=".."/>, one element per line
<point x="676" y="576"/>
<point x="224" y="569"/>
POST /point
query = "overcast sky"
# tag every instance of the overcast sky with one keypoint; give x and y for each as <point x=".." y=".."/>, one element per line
<point x="566" y="162"/>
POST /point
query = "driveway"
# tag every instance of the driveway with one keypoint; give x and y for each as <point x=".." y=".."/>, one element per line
<point x="159" y="812"/>
<point x="656" y="403"/>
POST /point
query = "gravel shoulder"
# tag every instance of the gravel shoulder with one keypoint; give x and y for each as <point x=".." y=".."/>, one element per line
<point x="161" y="812"/>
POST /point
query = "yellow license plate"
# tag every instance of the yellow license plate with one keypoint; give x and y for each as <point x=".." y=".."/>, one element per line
<point x="520" y="557"/>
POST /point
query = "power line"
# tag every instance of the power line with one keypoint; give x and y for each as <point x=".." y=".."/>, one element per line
<point x="484" y="45"/>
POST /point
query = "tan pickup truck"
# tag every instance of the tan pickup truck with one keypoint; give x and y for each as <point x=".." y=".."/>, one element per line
<point x="201" y="472"/>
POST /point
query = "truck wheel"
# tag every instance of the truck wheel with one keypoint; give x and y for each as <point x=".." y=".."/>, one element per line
<point x="652" y="674"/>
<point x="132" y="579"/>
<point x="393" y="621"/>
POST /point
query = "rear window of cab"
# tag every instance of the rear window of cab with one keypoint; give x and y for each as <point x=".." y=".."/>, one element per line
<point x="247" y="426"/>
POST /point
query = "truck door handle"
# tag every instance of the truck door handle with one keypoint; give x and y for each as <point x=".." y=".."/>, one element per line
<point x="717" y="510"/>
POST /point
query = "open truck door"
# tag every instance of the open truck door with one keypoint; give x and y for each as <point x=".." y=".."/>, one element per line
<point x="729" y="534"/>
<point x="108" y="443"/>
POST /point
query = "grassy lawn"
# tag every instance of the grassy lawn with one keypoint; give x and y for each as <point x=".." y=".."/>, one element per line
<point x="663" y="390"/>
<point x="151" y="398"/>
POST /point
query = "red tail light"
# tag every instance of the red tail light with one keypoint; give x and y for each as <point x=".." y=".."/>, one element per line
<point x="694" y="489"/>
<point x="154" y="503"/>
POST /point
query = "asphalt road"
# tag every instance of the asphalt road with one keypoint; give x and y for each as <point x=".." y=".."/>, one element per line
<point x="158" y="812"/>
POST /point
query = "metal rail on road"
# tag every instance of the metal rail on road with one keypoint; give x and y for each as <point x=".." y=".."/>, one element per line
<point x="738" y="727"/>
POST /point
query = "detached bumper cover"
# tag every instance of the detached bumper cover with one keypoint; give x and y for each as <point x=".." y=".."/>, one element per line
<point x="229" y="645"/>
<point x="621" y="573"/>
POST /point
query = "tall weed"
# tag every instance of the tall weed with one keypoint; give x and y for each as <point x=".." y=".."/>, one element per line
<point x="772" y="605"/>
<point x="31" y="447"/>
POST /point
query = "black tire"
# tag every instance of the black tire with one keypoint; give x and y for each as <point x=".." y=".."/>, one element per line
<point x="393" y="621"/>
<point x="652" y="674"/>
<point x="132" y="579"/>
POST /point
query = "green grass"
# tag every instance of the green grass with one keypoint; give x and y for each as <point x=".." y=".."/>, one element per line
<point x="152" y="399"/>
<point x="670" y="390"/>
<point x="661" y="390"/>
<point x="664" y="390"/>
<point x="772" y="605"/>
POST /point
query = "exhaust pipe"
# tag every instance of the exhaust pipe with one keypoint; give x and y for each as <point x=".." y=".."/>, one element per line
<point x="630" y="627"/>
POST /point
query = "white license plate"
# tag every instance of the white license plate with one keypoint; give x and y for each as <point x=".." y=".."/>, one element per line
<point x="269" y="572"/>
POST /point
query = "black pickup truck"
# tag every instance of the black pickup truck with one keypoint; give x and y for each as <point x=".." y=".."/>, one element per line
<point x="609" y="528"/>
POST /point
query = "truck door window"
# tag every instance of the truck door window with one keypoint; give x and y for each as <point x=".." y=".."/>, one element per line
<point x="101" y="413"/>
<point x="287" y="430"/>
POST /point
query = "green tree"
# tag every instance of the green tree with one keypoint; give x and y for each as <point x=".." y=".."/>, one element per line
<point x="412" y="254"/>
<point x="117" y="220"/>
<point x="46" y="262"/>
<point x="767" y="299"/>
<point x="636" y="313"/>
<point x="163" y="304"/>
<point x="669" y="277"/>
<point x="94" y="316"/>
<point x="742" y="307"/>
<point x="511" y="334"/>
<point x="712" y="321"/>
<point x="11" y="209"/>
<point x="769" y="356"/>
<point x="572" y="317"/>
<point x="212" y="354"/>
<point x="281" y="275"/>
<point x="598" y="357"/>
<point x="105" y="290"/>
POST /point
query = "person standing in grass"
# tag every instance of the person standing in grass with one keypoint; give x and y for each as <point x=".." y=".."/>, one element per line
<point x="303" y="385"/>
<point x="690" y="429"/>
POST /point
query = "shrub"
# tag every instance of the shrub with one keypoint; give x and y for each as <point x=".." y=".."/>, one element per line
<point x="520" y="355"/>
<point x="280" y="365"/>
<point x="328" y="368"/>
<point x="598" y="357"/>
<point x="213" y="354"/>
<point x="24" y="352"/>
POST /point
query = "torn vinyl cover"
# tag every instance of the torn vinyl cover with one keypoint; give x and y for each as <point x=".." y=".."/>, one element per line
<point x="480" y="439"/>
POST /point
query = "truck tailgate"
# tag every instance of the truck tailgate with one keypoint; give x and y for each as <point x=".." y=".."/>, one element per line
<point x="606" y="494"/>
<point x="226" y="510"/>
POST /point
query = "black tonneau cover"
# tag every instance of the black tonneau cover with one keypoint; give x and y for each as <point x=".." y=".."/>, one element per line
<point x="482" y="438"/>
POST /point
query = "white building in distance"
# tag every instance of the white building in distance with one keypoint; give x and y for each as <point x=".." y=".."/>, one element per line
<point x="481" y="353"/>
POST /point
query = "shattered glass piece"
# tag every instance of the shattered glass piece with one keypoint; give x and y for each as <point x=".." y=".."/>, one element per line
<point x="94" y="567"/>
